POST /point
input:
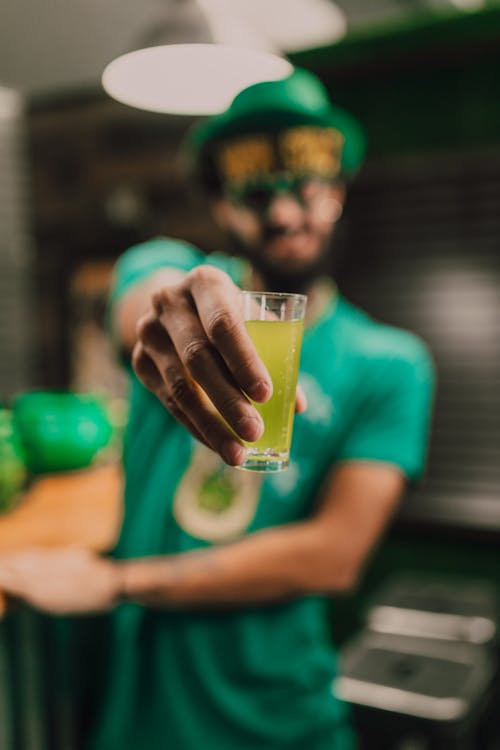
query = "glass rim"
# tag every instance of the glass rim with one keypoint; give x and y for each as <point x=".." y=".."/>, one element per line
<point x="283" y="295"/>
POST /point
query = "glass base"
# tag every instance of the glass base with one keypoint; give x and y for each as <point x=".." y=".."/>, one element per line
<point x="264" y="461"/>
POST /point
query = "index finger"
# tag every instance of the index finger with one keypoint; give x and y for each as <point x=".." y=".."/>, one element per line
<point x="219" y="304"/>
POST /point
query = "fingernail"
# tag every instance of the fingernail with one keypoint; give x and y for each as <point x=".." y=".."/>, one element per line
<point x="261" y="391"/>
<point x="250" y="428"/>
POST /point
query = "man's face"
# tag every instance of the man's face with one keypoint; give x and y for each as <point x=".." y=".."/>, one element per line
<point x="284" y="224"/>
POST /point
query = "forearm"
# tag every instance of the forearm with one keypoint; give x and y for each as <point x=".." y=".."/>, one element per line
<point x="323" y="554"/>
<point x="268" y="566"/>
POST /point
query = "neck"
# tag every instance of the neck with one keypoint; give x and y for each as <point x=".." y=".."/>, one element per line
<point x="320" y="295"/>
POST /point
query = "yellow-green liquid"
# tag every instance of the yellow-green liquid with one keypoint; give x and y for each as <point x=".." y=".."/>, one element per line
<point x="278" y="343"/>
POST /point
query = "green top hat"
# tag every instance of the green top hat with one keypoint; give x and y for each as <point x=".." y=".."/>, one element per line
<point x="272" y="106"/>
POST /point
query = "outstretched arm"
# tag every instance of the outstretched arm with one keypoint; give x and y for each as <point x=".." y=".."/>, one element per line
<point x="190" y="347"/>
<point x="323" y="554"/>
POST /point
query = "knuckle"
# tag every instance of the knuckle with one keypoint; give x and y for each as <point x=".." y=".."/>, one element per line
<point x="140" y="326"/>
<point x="195" y="353"/>
<point x="205" y="275"/>
<point x="138" y="358"/>
<point x="221" y="325"/>
<point x="211" y="433"/>
<point x="197" y="277"/>
<point x="145" y="326"/>
<point x="163" y="299"/>
<point x="170" y="403"/>
<point x="230" y="405"/>
<point x="180" y="392"/>
<point x="241" y="371"/>
<point x="172" y="373"/>
<point x="143" y="366"/>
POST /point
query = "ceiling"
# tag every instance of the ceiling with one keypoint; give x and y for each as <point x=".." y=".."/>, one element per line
<point x="64" y="46"/>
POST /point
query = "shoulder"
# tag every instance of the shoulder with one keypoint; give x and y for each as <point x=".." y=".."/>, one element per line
<point x="141" y="261"/>
<point x="160" y="250"/>
<point x="380" y="348"/>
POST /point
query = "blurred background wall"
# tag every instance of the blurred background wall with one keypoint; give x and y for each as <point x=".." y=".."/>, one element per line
<point x="16" y="251"/>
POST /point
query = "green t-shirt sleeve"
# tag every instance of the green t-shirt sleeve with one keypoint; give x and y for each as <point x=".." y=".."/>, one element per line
<point x="142" y="261"/>
<point x="393" y="419"/>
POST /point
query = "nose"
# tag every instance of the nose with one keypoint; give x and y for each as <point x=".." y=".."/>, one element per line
<point x="284" y="209"/>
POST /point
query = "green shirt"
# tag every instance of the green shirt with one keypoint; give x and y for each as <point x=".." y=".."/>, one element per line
<point x="256" y="678"/>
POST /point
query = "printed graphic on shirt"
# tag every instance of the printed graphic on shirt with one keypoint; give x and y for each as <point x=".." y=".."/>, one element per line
<point x="213" y="501"/>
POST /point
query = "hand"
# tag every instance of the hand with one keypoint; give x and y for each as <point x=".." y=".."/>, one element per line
<point x="193" y="344"/>
<point x="62" y="581"/>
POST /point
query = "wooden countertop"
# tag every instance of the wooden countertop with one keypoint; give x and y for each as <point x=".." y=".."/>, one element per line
<point x="81" y="508"/>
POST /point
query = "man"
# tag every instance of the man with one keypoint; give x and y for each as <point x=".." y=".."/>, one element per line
<point x="222" y="640"/>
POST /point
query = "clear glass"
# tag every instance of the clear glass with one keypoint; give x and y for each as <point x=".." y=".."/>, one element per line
<point x="275" y="322"/>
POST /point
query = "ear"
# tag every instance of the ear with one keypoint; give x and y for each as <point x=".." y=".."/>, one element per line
<point x="329" y="209"/>
<point x="338" y="192"/>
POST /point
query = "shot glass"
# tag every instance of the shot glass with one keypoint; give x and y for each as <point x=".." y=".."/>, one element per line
<point x="275" y="323"/>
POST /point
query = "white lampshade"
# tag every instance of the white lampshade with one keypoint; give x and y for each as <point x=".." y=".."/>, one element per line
<point x="189" y="79"/>
<point x="193" y="58"/>
<point x="291" y="25"/>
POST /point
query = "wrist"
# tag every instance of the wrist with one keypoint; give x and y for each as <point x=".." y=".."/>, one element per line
<point x="116" y="583"/>
<point x="128" y="584"/>
<point x="142" y="581"/>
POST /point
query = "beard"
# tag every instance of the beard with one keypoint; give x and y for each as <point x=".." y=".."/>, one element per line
<point x="279" y="276"/>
